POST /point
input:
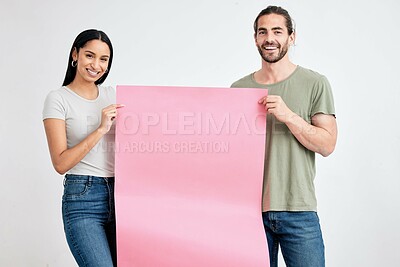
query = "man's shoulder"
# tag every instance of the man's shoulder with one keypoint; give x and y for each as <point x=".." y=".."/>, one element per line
<point x="245" y="81"/>
<point x="309" y="74"/>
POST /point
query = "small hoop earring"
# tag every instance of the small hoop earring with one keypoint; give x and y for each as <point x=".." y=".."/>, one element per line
<point x="74" y="65"/>
<point x="106" y="71"/>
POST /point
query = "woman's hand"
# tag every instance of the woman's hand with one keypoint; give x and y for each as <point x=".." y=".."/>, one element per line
<point x="108" y="114"/>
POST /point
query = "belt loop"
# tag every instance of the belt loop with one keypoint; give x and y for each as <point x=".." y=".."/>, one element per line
<point x="90" y="180"/>
<point x="65" y="180"/>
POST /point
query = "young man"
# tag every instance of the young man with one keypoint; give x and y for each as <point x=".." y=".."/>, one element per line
<point x="300" y="122"/>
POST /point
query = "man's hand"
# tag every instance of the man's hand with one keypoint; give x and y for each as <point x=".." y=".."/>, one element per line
<point x="276" y="106"/>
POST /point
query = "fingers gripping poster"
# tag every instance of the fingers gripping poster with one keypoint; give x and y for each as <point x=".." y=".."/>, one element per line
<point x="189" y="171"/>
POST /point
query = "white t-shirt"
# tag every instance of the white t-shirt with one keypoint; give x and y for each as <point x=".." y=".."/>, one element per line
<point x="82" y="117"/>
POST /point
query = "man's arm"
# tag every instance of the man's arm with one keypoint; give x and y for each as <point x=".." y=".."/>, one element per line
<point x="320" y="136"/>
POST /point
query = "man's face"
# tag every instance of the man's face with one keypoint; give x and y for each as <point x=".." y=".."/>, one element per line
<point x="272" y="38"/>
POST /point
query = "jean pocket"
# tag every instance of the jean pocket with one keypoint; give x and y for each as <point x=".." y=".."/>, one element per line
<point x="75" y="188"/>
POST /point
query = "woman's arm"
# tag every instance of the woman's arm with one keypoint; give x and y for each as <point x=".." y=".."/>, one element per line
<point x="64" y="158"/>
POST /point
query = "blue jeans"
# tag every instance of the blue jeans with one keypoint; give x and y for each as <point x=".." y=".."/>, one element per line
<point x="299" y="236"/>
<point x="89" y="219"/>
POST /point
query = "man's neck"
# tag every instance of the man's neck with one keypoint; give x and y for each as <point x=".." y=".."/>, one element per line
<point x="271" y="73"/>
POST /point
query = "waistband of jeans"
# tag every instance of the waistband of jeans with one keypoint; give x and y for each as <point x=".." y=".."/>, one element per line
<point x="90" y="178"/>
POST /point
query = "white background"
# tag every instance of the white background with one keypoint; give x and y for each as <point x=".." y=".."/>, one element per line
<point x="207" y="43"/>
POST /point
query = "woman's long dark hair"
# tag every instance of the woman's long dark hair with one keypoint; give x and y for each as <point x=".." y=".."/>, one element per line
<point x="80" y="42"/>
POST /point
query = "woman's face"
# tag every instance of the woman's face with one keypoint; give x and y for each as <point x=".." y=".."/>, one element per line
<point x="92" y="61"/>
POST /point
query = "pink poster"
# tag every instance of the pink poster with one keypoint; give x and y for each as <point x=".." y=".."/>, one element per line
<point x="189" y="170"/>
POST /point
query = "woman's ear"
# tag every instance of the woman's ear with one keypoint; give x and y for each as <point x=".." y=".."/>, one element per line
<point x="74" y="54"/>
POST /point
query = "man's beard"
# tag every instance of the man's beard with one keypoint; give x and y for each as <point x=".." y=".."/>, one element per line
<point x="270" y="58"/>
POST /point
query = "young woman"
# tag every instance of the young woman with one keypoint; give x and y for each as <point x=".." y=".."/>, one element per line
<point x="78" y="119"/>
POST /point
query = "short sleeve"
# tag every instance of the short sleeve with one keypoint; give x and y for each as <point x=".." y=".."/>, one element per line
<point x="322" y="98"/>
<point x="54" y="106"/>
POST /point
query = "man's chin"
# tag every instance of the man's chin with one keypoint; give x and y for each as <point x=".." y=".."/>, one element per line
<point x="271" y="60"/>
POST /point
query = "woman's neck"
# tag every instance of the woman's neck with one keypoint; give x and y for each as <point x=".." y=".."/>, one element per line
<point x="86" y="90"/>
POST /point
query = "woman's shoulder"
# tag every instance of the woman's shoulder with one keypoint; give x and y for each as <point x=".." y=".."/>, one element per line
<point x="107" y="92"/>
<point x="107" y="88"/>
<point x="58" y="93"/>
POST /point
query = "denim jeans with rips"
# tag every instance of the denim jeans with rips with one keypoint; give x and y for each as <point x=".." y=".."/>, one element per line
<point x="89" y="219"/>
<point x="299" y="236"/>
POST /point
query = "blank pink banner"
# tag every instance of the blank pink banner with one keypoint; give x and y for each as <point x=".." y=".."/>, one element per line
<point x="189" y="171"/>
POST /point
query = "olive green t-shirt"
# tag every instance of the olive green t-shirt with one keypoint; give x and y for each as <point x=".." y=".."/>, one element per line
<point x="289" y="168"/>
